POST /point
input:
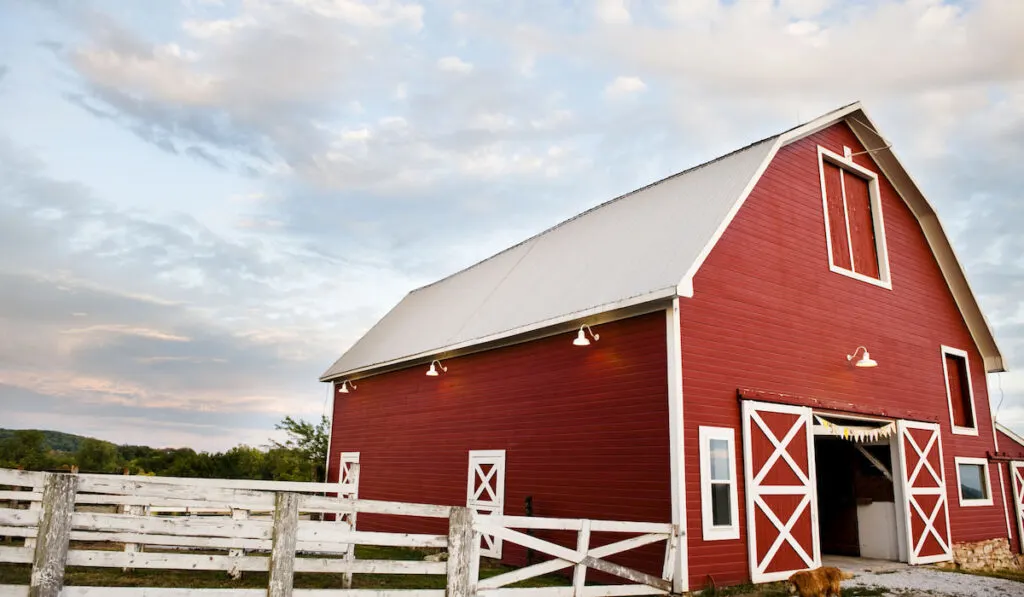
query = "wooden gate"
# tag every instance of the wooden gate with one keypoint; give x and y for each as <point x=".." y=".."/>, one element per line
<point x="782" y="508"/>
<point x="1017" y="481"/>
<point x="485" y="492"/>
<point x="925" y="505"/>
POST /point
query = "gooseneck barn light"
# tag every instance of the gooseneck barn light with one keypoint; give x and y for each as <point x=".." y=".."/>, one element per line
<point x="345" y="385"/>
<point x="581" y="336"/>
<point x="865" y="359"/>
<point x="432" y="372"/>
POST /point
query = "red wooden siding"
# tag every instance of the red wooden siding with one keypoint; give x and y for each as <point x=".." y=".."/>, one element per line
<point x="777" y="319"/>
<point x="959" y="391"/>
<point x="585" y="429"/>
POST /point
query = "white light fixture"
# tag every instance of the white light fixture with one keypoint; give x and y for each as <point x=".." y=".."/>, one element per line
<point x="865" y="360"/>
<point x="581" y="336"/>
<point x="432" y="372"/>
<point x="345" y="386"/>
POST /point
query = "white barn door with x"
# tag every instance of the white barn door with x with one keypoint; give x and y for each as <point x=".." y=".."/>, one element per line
<point x="485" y="492"/>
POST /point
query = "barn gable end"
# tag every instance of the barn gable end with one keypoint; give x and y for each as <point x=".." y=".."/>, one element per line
<point x="783" y="323"/>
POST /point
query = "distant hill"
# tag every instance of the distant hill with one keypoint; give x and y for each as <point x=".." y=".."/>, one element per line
<point x="55" y="440"/>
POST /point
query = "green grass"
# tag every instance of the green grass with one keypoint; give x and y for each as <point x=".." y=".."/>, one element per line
<point x="18" y="574"/>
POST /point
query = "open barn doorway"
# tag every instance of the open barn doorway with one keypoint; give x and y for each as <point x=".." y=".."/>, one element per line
<point x="857" y="498"/>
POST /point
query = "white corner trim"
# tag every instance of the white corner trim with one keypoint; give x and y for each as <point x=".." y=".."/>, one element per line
<point x="956" y="429"/>
<point x="330" y="434"/>
<point x="680" y="567"/>
<point x="884" y="279"/>
<point x="710" y="531"/>
<point x="983" y="463"/>
<point x="1006" y="507"/>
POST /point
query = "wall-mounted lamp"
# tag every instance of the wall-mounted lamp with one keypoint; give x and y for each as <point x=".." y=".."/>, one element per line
<point x="432" y="372"/>
<point x="865" y="359"/>
<point x="345" y="385"/>
<point x="581" y="336"/>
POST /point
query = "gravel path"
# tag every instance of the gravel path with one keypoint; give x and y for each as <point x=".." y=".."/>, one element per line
<point x="915" y="582"/>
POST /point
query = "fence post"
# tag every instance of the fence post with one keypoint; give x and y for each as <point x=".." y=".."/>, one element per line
<point x="350" y="554"/>
<point x="282" y="552"/>
<point x="579" y="574"/>
<point x="463" y="554"/>
<point x="51" y="549"/>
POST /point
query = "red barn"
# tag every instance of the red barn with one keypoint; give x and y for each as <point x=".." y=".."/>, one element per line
<point x="776" y="351"/>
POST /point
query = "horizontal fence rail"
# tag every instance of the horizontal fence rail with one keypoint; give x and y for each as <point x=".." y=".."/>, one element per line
<point x="238" y="526"/>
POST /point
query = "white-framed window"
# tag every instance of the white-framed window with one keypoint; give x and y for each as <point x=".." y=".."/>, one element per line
<point x="972" y="481"/>
<point x="718" y="502"/>
<point x="854" y="227"/>
<point x="959" y="392"/>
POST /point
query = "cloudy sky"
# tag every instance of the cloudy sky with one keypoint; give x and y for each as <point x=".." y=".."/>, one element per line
<point x="203" y="202"/>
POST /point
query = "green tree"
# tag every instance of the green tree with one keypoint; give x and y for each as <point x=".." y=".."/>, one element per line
<point x="309" y="442"/>
<point x="96" y="456"/>
<point x="25" y="448"/>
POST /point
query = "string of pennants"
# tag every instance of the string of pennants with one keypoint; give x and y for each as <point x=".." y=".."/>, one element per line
<point x="857" y="434"/>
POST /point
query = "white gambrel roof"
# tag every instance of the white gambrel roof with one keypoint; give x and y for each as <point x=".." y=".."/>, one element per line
<point x="641" y="247"/>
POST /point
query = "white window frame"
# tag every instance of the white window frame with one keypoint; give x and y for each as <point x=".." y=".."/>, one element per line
<point x="881" y="250"/>
<point x="958" y="430"/>
<point x="711" y="531"/>
<point x="984" y="475"/>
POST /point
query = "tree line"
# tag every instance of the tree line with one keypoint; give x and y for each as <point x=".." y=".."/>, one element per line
<point x="301" y="457"/>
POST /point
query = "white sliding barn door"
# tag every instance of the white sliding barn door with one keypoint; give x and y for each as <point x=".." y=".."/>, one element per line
<point x="485" y="492"/>
<point x="925" y="505"/>
<point x="1017" y="481"/>
<point x="782" y="506"/>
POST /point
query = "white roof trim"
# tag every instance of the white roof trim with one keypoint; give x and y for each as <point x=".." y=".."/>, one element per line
<point x="1012" y="434"/>
<point x="446" y="352"/>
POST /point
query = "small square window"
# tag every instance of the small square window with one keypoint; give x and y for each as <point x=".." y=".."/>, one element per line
<point x="854" y="230"/>
<point x="972" y="481"/>
<point x="719" y="503"/>
<point x="959" y="393"/>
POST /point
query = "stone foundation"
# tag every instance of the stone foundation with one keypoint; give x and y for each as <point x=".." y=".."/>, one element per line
<point x="993" y="554"/>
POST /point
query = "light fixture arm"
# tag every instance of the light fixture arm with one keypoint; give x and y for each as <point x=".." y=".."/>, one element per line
<point x="850" y="357"/>
<point x="592" y="334"/>
<point x="439" y="365"/>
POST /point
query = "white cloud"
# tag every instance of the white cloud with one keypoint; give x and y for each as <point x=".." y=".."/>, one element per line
<point x="613" y="11"/>
<point x="381" y="13"/>
<point x="623" y="86"/>
<point x="454" y="64"/>
<point x="216" y="27"/>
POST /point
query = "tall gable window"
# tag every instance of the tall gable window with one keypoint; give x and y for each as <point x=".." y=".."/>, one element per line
<point x="959" y="392"/>
<point x="854" y="230"/>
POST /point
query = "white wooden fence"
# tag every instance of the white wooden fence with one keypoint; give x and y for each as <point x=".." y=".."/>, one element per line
<point x="60" y="515"/>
